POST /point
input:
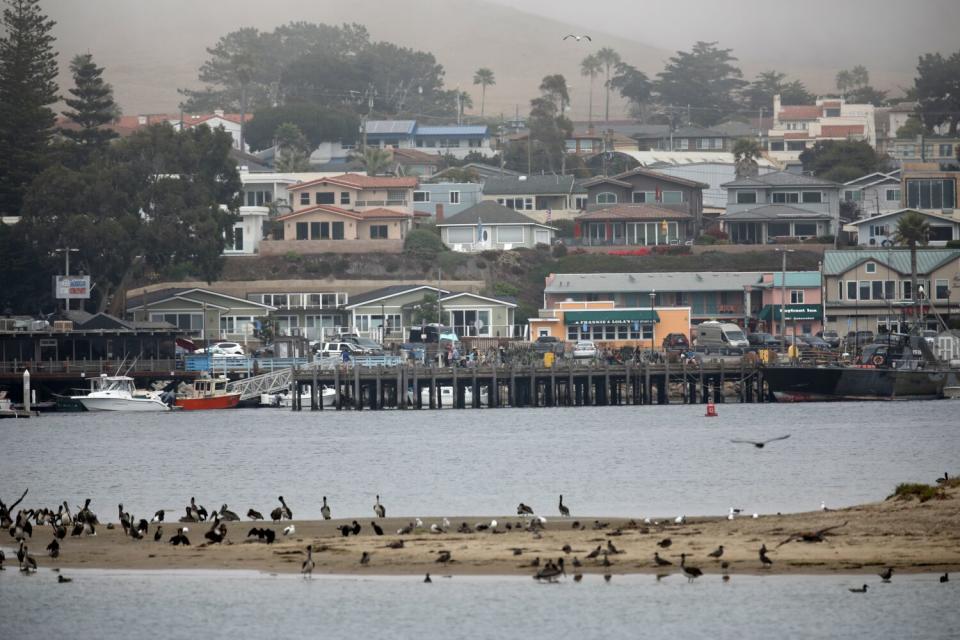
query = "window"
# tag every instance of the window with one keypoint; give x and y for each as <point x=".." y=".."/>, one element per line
<point x="258" y="198"/>
<point x="746" y="197"/>
<point x="517" y="204"/>
<point x="778" y="229"/>
<point x="812" y="197"/>
<point x="785" y="197"/>
<point x="807" y="229"/>
<point x="324" y="197"/>
<point x="460" y="235"/>
<point x="889" y="289"/>
<point x="893" y="195"/>
<point x="238" y="238"/>
<point x="672" y="197"/>
<point x="776" y="145"/>
<point x="304" y="197"/>
<point x="344" y="197"/>
<point x="303" y="231"/>
<point x="946" y="151"/>
<point x="347" y="146"/>
<point x="378" y="232"/>
<point x="906" y="287"/>
<point x="475" y="143"/>
<point x="796" y="296"/>
<point x="512" y="234"/>
<point x="397" y="196"/>
<point x="796" y="145"/>
<point x="337" y="230"/>
<point x="573" y="332"/>
<point x="314" y="230"/>
<point x="877" y="290"/>
<point x="184" y="321"/>
<point x="942" y="291"/>
<point x="580" y="202"/>
<point x="851" y="290"/>
<point x="871" y="267"/>
<point x="324" y="231"/>
<point x="236" y="324"/>
<point x="865" y="290"/>
<point x="640" y="197"/>
<point x="571" y="145"/>
<point x="586" y="146"/>
<point x="879" y="231"/>
<point x="831" y="112"/>
<point x="454" y="197"/>
<point x="606" y="198"/>
<point x="421" y="196"/>
<point x="853" y="195"/>
<point x="931" y="194"/>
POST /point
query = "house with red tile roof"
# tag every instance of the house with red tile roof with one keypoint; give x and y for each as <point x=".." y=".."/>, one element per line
<point x="345" y="213"/>
<point x="799" y="127"/>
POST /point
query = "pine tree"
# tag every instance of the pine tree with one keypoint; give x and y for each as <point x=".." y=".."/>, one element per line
<point x="28" y="85"/>
<point x="92" y="104"/>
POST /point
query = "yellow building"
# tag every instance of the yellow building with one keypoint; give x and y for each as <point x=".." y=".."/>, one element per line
<point x="609" y="326"/>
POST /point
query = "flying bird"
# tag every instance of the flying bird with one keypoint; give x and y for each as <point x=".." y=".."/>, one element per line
<point x="762" y="444"/>
<point x="578" y="38"/>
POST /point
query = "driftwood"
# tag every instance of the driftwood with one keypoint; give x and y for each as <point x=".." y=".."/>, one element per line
<point x="811" y="536"/>
<point x="5" y="511"/>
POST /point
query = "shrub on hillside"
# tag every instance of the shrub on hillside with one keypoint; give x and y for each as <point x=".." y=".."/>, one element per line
<point x="424" y="244"/>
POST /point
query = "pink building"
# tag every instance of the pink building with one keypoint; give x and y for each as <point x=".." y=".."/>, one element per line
<point x="803" y="300"/>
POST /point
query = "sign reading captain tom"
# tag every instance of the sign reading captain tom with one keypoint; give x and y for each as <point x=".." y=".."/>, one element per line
<point x="72" y="287"/>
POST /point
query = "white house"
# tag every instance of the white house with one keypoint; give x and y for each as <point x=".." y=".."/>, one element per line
<point x="799" y="127"/>
<point x="492" y="226"/>
<point x="878" y="231"/>
<point x="229" y="122"/>
<point x="874" y="194"/>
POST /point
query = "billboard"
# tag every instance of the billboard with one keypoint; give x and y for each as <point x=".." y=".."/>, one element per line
<point x="72" y="287"/>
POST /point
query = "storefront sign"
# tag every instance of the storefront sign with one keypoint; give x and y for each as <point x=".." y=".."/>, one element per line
<point x="72" y="287"/>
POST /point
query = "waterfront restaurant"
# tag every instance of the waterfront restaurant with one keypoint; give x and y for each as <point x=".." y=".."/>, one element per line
<point x="610" y="326"/>
<point x="800" y="299"/>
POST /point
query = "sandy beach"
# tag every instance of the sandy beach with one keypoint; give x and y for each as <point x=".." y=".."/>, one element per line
<point x="905" y="534"/>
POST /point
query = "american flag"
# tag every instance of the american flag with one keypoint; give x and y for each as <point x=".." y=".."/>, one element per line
<point x="549" y="215"/>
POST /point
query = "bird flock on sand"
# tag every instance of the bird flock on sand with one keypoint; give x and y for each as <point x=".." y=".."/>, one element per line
<point x="26" y="524"/>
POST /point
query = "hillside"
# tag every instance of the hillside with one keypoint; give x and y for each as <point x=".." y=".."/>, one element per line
<point x="152" y="49"/>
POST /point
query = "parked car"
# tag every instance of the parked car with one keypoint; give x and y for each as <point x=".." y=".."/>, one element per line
<point x="548" y="344"/>
<point x="831" y="337"/>
<point x="761" y="340"/>
<point x="585" y="349"/>
<point x="370" y="347"/>
<point x="224" y="350"/>
<point x="336" y="349"/>
<point x="712" y="335"/>
<point x="675" y="342"/>
<point x="815" y="342"/>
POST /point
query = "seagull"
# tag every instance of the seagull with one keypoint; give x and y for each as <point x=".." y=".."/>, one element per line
<point x="289" y="530"/>
<point x="886" y="574"/>
<point x="680" y="520"/>
<point x="761" y="444"/>
<point x="564" y="511"/>
<point x="378" y="509"/>
<point x="578" y="38"/>
<point x="862" y="589"/>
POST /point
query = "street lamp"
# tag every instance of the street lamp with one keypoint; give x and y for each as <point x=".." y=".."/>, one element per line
<point x="783" y="297"/>
<point x="920" y="314"/>
<point x="66" y="251"/>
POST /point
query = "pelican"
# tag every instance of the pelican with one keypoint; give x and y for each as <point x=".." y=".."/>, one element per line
<point x="325" y="510"/>
<point x="28" y="564"/>
<point x="762" y="443"/>
<point x="523" y="510"/>
<point x="378" y="509"/>
<point x="307" y="567"/>
<point x="228" y="515"/>
<point x="254" y="514"/>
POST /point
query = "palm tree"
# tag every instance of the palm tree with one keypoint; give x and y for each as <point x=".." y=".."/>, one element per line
<point x="609" y="59"/>
<point x="745" y="154"/>
<point x="375" y="160"/>
<point x="484" y="78"/>
<point x="465" y="102"/>
<point x="591" y="67"/>
<point x="844" y="81"/>
<point x="913" y="229"/>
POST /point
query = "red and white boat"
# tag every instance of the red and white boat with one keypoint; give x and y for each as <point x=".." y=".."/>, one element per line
<point x="209" y="393"/>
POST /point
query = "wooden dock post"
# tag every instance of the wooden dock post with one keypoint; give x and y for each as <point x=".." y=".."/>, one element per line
<point x="377" y="401"/>
<point x="607" y="395"/>
<point x="588" y="391"/>
<point x="401" y="399"/>
<point x="493" y="400"/>
<point x="513" y="387"/>
<point x="417" y="398"/>
<point x="313" y="391"/>
<point x="666" y="382"/>
<point x="457" y="398"/>
<point x="336" y="385"/>
<point x="293" y="387"/>
<point x="475" y="385"/>
<point x="647" y="391"/>
<point x="703" y="388"/>
<point x="719" y="396"/>
<point x="357" y="393"/>
<point x="434" y="399"/>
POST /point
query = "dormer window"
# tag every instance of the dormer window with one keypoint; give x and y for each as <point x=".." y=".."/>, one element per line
<point x="871" y="267"/>
<point x="607" y="197"/>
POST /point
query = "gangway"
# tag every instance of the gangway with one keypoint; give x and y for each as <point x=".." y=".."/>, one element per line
<point x="255" y="386"/>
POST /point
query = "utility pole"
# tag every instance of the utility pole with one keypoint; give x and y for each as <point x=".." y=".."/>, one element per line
<point x="439" y="312"/>
<point x="66" y="251"/>
<point x="459" y="107"/>
<point x="363" y="120"/>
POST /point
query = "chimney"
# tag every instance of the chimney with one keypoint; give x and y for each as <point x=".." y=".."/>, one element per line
<point x="141" y="120"/>
<point x="218" y="112"/>
<point x="439" y="213"/>
<point x="776" y="110"/>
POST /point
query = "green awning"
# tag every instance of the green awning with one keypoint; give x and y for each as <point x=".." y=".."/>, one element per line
<point x="611" y="316"/>
<point x="793" y="312"/>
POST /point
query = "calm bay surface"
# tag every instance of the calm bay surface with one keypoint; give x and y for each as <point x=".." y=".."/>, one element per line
<point x="614" y="461"/>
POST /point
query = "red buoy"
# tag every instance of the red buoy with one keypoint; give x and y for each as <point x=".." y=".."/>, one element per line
<point x="711" y="410"/>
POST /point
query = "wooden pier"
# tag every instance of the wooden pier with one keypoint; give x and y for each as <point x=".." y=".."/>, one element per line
<point x="565" y="385"/>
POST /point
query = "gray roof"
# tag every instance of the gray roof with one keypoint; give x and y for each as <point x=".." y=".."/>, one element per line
<point x="734" y="129"/>
<point x="646" y="282"/>
<point x="780" y="179"/>
<point x="776" y="212"/>
<point x="489" y="212"/>
<point x="528" y="185"/>
<point x="839" y="262"/>
<point x="388" y="292"/>
<point x="682" y="132"/>
<point x="388" y="127"/>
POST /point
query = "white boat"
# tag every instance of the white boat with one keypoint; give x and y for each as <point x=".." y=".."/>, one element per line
<point x="118" y="393"/>
<point x="446" y="397"/>
<point x="328" y="395"/>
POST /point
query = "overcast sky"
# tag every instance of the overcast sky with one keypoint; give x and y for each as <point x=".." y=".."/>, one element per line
<point x="877" y="33"/>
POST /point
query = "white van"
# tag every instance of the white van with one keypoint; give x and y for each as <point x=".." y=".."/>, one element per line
<point x="713" y="335"/>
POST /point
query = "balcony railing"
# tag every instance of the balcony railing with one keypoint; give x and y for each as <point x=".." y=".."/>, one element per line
<point x="381" y="203"/>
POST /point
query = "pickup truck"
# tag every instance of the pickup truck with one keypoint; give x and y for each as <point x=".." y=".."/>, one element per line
<point x="336" y="349"/>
